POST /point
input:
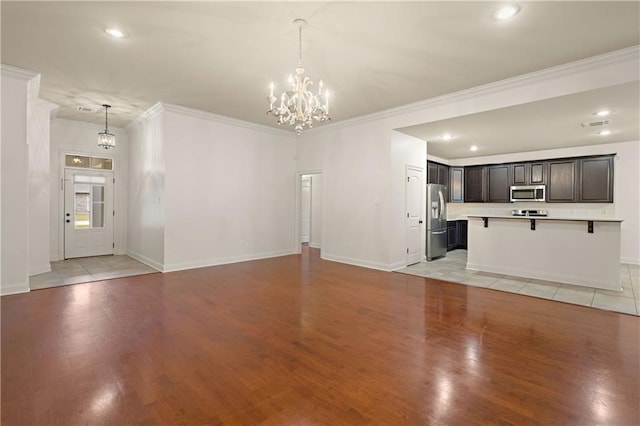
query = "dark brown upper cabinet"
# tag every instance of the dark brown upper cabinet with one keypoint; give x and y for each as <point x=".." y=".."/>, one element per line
<point x="438" y="173"/>
<point x="498" y="183"/>
<point x="561" y="182"/>
<point x="537" y="173"/>
<point x="432" y="172"/>
<point x="474" y="184"/>
<point x="596" y="179"/>
<point x="456" y="184"/>
<point x="533" y="173"/>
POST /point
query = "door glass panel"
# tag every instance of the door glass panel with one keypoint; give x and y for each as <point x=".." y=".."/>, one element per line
<point x="97" y="215"/>
<point x="82" y="206"/>
<point x="85" y="162"/>
<point x="97" y="206"/>
<point x="98" y="193"/>
<point x="76" y="161"/>
<point x="101" y="163"/>
<point x="88" y="205"/>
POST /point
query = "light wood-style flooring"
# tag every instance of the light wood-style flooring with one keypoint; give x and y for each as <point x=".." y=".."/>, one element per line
<point x="298" y="340"/>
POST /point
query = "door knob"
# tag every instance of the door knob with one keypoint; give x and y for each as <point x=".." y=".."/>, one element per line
<point x="419" y="221"/>
<point x="68" y="221"/>
<point x="68" y="214"/>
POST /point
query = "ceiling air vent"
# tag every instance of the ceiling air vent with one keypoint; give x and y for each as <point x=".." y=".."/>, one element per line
<point x="85" y="109"/>
<point x="598" y="123"/>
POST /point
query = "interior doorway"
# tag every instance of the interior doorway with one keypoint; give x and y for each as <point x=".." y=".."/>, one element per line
<point x="311" y="209"/>
<point x="88" y="213"/>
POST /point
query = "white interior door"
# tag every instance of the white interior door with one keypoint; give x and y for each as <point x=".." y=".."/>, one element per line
<point x="414" y="214"/>
<point x="305" y="210"/>
<point x="88" y="213"/>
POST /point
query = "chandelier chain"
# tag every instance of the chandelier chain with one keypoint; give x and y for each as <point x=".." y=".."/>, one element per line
<point x="300" y="44"/>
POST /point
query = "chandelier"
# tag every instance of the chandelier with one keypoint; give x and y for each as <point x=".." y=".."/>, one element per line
<point x="106" y="139"/>
<point x="298" y="105"/>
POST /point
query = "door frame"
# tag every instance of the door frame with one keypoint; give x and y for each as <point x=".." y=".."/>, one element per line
<point x="59" y="186"/>
<point x="297" y="240"/>
<point x="107" y="174"/>
<point x="423" y="186"/>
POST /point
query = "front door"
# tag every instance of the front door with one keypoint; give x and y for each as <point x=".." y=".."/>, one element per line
<point x="414" y="214"/>
<point x="88" y="213"/>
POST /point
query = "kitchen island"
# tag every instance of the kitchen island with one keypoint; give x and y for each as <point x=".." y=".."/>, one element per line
<point x="573" y="250"/>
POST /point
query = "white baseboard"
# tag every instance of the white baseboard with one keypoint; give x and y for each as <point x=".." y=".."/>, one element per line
<point x="314" y="245"/>
<point x="357" y="262"/>
<point x="144" y="259"/>
<point x="40" y="269"/>
<point x="630" y="260"/>
<point x="398" y="265"/>
<point x="225" y="260"/>
<point x="541" y="275"/>
<point x="14" y="288"/>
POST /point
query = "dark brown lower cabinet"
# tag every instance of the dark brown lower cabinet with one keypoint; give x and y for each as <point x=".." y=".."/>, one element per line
<point x="462" y="234"/>
<point x="456" y="234"/>
<point x="452" y="235"/>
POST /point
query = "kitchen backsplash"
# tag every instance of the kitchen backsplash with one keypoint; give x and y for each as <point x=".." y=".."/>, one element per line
<point x="455" y="210"/>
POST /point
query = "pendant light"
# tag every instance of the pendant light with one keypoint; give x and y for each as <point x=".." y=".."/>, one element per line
<point x="299" y="107"/>
<point x="106" y="139"/>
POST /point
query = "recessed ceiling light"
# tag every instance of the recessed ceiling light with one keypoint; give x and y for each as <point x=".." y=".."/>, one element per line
<point x="115" y="32"/>
<point x="604" y="132"/>
<point x="473" y="148"/>
<point x="447" y="137"/>
<point x="603" y="113"/>
<point x="506" y="12"/>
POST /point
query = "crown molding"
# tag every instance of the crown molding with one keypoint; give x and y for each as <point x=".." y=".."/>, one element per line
<point x="622" y="56"/>
<point x="33" y="88"/>
<point x="149" y="114"/>
<point x="19" y="73"/>
<point x="225" y="120"/>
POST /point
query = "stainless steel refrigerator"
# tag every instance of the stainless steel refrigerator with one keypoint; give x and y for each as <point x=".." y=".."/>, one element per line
<point x="436" y="221"/>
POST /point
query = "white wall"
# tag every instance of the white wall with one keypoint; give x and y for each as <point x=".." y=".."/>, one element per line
<point x="146" y="221"/>
<point x="626" y="191"/>
<point x="17" y="85"/>
<point x="75" y="137"/>
<point x="405" y="151"/>
<point x="354" y="155"/>
<point x="229" y="190"/>
<point x="316" y="211"/>
<point x="355" y="164"/>
<point x="38" y="136"/>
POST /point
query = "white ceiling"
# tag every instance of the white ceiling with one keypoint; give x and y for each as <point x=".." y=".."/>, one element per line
<point x="220" y="56"/>
<point x="548" y="124"/>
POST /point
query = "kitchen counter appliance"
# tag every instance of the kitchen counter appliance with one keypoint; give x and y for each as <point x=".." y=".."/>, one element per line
<point x="529" y="213"/>
<point x="436" y="221"/>
<point x="527" y="193"/>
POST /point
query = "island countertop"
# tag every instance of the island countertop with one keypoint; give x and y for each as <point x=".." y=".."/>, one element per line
<point x="583" y="251"/>
<point x="571" y="218"/>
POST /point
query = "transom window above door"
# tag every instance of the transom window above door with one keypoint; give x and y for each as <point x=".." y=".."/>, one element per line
<point x="85" y="162"/>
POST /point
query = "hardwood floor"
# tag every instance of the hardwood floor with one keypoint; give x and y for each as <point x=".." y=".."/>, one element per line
<point x="299" y="340"/>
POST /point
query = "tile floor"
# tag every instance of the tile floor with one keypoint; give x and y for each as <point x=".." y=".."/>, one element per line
<point x="452" y="268"/>
<point x="85" y="269"/>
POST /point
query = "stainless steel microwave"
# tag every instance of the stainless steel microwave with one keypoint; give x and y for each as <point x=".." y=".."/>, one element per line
<point x="528" y="193"/>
